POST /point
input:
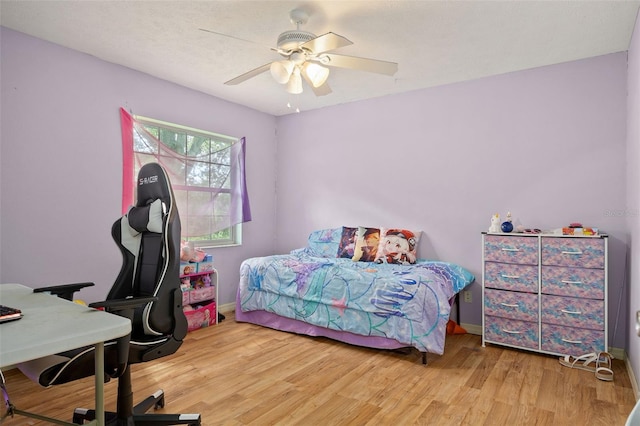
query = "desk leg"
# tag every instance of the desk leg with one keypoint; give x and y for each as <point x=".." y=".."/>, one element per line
<point x="99" y="367"/>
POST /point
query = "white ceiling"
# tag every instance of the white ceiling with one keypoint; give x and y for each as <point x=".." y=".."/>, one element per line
<point x="434" y="42"/>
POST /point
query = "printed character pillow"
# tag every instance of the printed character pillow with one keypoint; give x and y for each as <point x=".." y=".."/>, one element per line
<point x="367" y="241"/>
<point x="347" y="242"/>
<point x="398" y="246"/>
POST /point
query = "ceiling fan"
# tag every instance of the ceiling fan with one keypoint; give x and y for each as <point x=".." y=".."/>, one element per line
<point x="307" y="56"/>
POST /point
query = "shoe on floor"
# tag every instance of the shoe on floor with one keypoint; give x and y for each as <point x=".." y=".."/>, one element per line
<point x="583" y="362"/>
<point x="603" y="367"/>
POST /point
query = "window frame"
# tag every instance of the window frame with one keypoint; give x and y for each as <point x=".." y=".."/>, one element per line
<point x="235" y="231"/>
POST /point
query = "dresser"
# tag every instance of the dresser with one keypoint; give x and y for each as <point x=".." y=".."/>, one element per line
<point x="545" y="293"/>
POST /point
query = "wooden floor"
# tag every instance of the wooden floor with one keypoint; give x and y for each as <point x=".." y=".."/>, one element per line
<point x="239" y="374"/>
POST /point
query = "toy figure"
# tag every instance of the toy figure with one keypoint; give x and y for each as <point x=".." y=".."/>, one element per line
<point x="495" y="224"/>
<point x="185" y="283"/>
<point x="199" y="283"/>
<point x="206" y="280"/>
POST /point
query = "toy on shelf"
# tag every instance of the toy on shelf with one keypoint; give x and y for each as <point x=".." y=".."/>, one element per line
<point x="495" y="223"/>
<point x="188" y="253"/>
<point x="199" y="282"/>
<point x="206" y="280"/>
<point x="185" y="283"/>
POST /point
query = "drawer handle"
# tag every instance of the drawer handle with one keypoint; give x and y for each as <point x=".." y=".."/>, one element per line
<point x="571" y="282"/>
<point x="509" y="249"/>
<point x="571" y="312"/>
<point x="574" y="342"/>
<point x="572" y="252"/>
<point x="515" y="277"/>
<point x="512" y="332"/>
<point x="509" y="305"/>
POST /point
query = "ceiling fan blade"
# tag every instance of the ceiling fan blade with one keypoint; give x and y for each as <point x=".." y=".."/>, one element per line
<point x="321" y="90"/>
<point x="238" y="38"/>
<point x="361" y="64"/>
<point x="246" y="76"/>
<point x="325" y="43"/>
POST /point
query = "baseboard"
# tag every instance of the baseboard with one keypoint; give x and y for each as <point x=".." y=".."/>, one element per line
<point x="632" y="378"/>
<point x="472" y="328"/>
<point x="618" y="353"/>
<point x="227" y="308"/>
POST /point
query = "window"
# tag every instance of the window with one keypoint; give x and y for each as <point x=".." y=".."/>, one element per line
<point x="202" y="169"/>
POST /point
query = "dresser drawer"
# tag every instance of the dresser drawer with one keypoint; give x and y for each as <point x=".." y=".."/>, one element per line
<point x="577" y="252"/>
<point x="573" y="282"/>
<point x="511" y="304"/>
<point x="523" y="250"/>
<point x="571" y="341"/>
<point x="509" y="276"/>
<point x="573" y="312"/>
<point x="511" y="332"/>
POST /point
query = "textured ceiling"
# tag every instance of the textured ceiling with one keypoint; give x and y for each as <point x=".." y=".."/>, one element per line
<point x="434" y="42"/>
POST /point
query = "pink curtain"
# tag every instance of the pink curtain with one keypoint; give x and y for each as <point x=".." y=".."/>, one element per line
<point x="224" y="202"/>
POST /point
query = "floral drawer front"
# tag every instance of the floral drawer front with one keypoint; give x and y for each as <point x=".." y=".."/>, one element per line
<point x="508" y="276"/>
<point x="573" y="282"/>
<point x="578" y="252"/>
<point x="523" y="250"/>
<point x="571" y="341"/>
<point x="511" y="332"/>
<point x="573" y="312"/>
<point x="511" y="304"/>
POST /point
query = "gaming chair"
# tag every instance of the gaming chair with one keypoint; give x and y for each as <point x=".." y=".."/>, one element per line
<point x="147" y="290"/>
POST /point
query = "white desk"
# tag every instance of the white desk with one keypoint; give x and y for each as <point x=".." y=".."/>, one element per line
<point x="51" y="325"/>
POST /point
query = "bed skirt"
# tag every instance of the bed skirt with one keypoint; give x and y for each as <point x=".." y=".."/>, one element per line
<point x="271" y="320"/>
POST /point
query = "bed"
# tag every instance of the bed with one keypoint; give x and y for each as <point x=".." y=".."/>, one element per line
<point x="367" y="303"/>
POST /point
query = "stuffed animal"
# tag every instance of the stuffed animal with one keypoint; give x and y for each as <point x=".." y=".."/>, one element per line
<point x="188" y="253"/>
<point x="206" y="280"/>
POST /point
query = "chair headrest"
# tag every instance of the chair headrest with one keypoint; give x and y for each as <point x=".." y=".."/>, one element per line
<point x="153" y="184"/>
<point x="147" y="218"/>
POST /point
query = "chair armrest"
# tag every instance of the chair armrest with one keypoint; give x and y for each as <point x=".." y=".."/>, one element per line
<point x="64" y="291"/>
<point x="121" y="306"/>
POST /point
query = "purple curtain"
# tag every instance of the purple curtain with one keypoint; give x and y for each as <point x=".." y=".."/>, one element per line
<point x="210" y="197"/>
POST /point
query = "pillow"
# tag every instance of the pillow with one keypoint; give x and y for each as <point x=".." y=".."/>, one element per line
<point x="146" y="218"/>
<point x="324" y="242"/>
<point x="347" y="242"/>
<point x="399" y="246"/>
<point x="367" y="241"/>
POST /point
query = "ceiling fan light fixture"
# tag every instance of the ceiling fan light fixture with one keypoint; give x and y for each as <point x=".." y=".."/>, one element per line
<point x="317" y="74"/>
<point x="294" y="85"/>
<point x="281" y="71"/>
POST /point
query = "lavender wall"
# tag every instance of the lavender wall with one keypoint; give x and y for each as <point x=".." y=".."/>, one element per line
<point x="61" y="163"/>
<point x="548" y="144"/>
<point x="633" y="195"/>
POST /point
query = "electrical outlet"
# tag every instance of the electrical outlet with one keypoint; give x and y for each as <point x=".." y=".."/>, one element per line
<point x="467" y="296"/>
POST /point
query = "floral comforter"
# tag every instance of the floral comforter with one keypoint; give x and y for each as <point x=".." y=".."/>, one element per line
<point x="409" y="304"/>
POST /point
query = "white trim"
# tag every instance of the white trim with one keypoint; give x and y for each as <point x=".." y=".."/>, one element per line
<point x="632" y="378"/>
